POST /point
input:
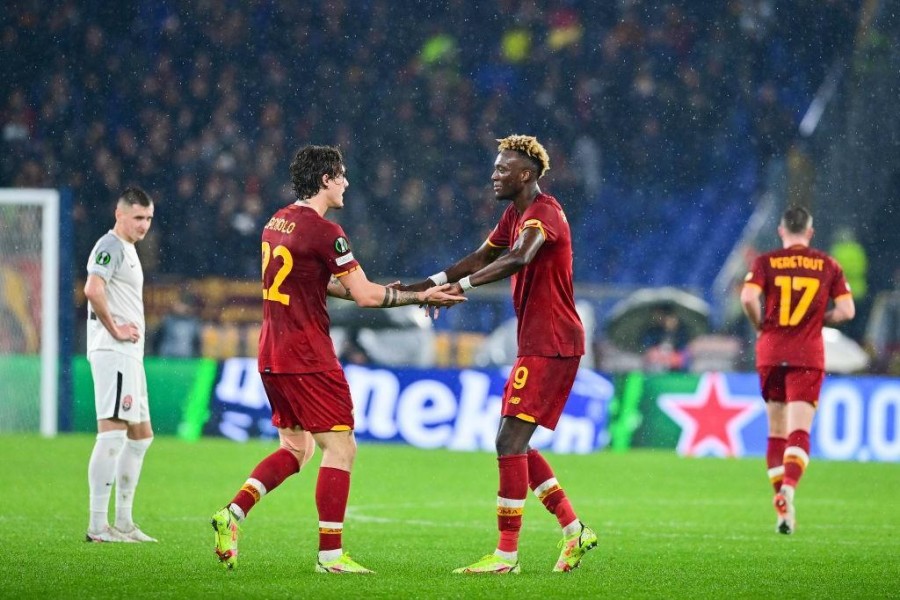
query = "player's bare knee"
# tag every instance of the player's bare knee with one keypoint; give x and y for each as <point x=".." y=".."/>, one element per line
<point x="309" y="449"/>
<point x="298" y="443"/>
<point x="338" y="450"/>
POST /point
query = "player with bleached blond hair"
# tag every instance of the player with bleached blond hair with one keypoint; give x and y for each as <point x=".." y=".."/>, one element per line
<point x="532" y="245"/>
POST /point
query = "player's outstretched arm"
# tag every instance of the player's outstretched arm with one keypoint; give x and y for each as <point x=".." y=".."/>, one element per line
<point x="368" y="294"/>
<point x="521" y="254"/>
<point x="485" y="255"/>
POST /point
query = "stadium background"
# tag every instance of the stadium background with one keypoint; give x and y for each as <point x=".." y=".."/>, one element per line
<point x="677" y="134"/>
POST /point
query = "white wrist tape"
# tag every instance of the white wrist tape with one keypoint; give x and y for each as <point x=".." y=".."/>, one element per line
<point x="439" y="278"/>
<point x="466" y="283"/>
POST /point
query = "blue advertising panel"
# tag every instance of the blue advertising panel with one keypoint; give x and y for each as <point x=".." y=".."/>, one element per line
<point x="428" y="408"/>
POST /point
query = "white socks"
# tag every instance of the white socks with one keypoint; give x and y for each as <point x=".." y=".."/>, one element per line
<point x="118" y="460"/>
<point x="330" y="555"/>
<point x="572" y="528"/>
<point x="128" y="471"/>
<point x="101" y="474"/>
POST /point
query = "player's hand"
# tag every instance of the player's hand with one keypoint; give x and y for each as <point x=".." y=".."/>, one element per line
<point x="437" y="297"/>
<point x="395" y="285"/>
<point x="414" y="287"/>
<point x="128" y="332"/>
<point x="441" y="296"/>
<point x="455" y="289"/>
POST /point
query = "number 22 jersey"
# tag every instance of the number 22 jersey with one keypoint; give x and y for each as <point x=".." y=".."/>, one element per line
<point x="301" y="250"/>
<point x="797" y="283"/>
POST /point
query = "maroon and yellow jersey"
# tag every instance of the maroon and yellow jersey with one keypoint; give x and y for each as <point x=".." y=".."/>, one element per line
<point x="300" y="252"/>
<point x="797" y="283"/>
<point x="543" y="295"/>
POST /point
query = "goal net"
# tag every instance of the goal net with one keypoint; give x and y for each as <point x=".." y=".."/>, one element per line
<point x="29" y="304"/>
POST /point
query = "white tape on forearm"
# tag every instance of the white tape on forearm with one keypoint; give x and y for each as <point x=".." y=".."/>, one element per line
<point x="466" y="283"/>
<point x="439" y="278"/>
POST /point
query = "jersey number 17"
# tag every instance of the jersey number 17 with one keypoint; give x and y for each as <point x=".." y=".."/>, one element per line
<point x="808" y="285"/>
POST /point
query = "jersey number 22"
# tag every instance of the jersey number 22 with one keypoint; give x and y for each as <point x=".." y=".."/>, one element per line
<point x="287" y="263"/>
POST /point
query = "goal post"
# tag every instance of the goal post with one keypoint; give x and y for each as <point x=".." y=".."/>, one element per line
<point x="29" y="310"/>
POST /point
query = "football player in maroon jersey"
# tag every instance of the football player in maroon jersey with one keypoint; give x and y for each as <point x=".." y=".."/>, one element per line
<point x="304" y="258"/>
<point x="531" y="245"/>
<point x="797" y="283"/>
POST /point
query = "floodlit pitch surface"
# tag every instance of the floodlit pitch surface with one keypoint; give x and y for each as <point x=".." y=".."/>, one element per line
<point x="669" y="527"/>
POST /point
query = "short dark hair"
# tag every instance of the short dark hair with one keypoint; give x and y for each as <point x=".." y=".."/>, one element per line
<point x="135" y="195"/>
<point x="796" y="219"/>
<point x="310" y="164"/>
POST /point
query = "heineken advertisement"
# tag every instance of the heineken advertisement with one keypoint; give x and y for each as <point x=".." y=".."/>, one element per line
<point x="711" y="414"/>
<point x="428" y="408"/>
<point x="718" y="414"/>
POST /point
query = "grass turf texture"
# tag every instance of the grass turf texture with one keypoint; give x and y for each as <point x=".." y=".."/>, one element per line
<point x="669" y="527"/>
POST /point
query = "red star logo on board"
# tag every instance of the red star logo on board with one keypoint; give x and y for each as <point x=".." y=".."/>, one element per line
<point x="711" y="419"/>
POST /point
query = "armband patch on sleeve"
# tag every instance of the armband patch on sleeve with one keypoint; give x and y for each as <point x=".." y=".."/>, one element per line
<point x="343" y="260"/>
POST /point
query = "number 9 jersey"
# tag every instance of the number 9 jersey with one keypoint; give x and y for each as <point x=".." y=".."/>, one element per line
<point x="300" y="252"/>
<point x="797" y="283"/>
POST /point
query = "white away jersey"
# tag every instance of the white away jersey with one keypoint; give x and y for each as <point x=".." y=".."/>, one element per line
<point x="117" y="263"/>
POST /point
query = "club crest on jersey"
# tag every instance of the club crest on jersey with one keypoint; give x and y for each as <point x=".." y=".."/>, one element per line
<point x="102" y="258"/>
<point x="341" y="245"/>
<point x="126" y="402"/>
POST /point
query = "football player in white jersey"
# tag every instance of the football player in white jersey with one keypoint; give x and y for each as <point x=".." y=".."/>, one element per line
<point x="115" y="350"/>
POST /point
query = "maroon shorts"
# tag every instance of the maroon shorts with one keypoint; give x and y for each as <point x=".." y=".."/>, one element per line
<point x="790" y="384"/>
<point x="538" y="388"/>
<point x="315" y="402"/>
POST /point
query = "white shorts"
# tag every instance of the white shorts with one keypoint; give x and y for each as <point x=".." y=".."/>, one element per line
<point x="120" y="386"/>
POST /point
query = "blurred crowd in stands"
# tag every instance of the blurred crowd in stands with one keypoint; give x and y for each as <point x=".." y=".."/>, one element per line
<point x="644" y="108"/>
<point x="203" y="103"/>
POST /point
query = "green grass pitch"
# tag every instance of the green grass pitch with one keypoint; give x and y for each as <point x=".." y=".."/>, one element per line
<point x="669" y="527"/>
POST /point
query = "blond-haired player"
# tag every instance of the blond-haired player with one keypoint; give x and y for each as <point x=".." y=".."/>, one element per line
<point x="531" y="245"/>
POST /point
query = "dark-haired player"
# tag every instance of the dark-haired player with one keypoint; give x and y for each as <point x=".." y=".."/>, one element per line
<point x="797" y="282"/>
<point x="532" y="244"/>
<point x="304" y="258"/>
<point x="115" y="348"/>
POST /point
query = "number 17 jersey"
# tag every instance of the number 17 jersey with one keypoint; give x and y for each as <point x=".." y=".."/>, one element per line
<point x="301" y="250"/>
<point x="797" y="283"/>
